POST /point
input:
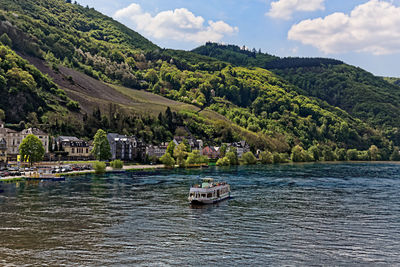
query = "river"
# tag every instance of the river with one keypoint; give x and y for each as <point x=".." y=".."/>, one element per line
<point x="300" y="214"/>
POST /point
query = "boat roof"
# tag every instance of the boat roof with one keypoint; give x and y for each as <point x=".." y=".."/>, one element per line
<point x="208" y="180"/>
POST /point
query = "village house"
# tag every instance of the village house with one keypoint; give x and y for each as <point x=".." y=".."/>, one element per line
<point x="3" y="152"/>
<point x="75" y="148"/>
<point x="156" y="151"/>
<point x="211" y="152"/>
<point x="127" y="148"/>
<point x="241" y="147"/>
<point x="12" y="141"/>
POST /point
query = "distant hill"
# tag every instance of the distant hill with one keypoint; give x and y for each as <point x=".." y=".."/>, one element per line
<point x="124" y="83"/>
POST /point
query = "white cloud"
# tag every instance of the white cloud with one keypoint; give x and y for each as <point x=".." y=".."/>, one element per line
<point x="371" y="27"/>
<point x="283" y="9"/>
<point x="179" y="24"/>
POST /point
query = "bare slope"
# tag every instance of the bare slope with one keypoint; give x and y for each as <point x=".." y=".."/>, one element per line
<point x="91" y="93"/>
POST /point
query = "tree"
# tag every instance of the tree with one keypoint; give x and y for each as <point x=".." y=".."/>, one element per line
<point x="248" y="158"/>
<point x="373" y="152"/>
<point x="352" y="154"/>
<point x="298" y="154"/>
<point x="168" y="160"/>
<point x="222" y="150"/>
<point x="341" y="154"/>
<point x="180" y="154"/>
<point x="223" y="162"/>
<point x="101" y="148"/>
<point x="395" y="154"/>
<point x="266" y="157"/>
<point x="232" y="157"/>
<point x="6" y="40"/>
<point x="170" y="148"/>
<point x="314" y="152"/>
<point x="194" y="157"/>
<point x="31" y="149"/>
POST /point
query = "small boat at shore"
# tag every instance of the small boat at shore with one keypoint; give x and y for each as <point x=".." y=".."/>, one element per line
<point x="209" y="192"/>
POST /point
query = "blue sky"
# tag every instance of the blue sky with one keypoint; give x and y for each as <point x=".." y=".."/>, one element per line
<point x="363" y="33"/>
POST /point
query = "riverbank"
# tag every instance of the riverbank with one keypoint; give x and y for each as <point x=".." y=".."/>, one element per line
<point x="128" y="168"/>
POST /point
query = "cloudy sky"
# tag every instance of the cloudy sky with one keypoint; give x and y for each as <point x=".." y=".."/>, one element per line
<point x="364" y="33"/>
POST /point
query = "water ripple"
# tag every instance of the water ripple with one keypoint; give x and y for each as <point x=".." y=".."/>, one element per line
<point x="305" y="214"/>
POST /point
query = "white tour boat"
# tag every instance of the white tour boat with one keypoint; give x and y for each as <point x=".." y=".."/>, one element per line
<point x="209" y="192"/>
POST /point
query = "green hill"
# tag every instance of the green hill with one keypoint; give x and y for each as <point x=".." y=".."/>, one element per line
<point x="216" y="100"/>
<point x="370" y="98"/>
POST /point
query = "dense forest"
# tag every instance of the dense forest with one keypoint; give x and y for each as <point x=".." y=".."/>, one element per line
<point x="231" y="93"/>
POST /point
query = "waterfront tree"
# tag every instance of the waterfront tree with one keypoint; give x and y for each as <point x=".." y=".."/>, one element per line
<point x="266" y="157"/>
<point x="248" y="158"/>
<point x="168" y="160"/>
<point x="194" y="157"/>
<point x="223" y="162"/>
<point x="170" y="148"/>
<point x="180" y="154"/>
<point x="31" y="149"/>
<point x="101" y="148"/>
<point x="232" y="157"/>
<point x="373" y="153"/>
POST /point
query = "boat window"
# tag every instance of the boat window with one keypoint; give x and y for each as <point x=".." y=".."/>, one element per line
<point x="209" y="195"/>
<point x="191" y="194"/>
<point x="203" y="195"/>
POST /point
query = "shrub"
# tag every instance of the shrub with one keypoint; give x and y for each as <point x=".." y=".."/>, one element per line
<point x="232" y="157"/>
<point x="99" y="167"/>
<point x="266" y="157"/>
<point x="117" y="164"/>
<point x="248" y="158"/>
<point x="73" y="105"/>
<point x="223" y="162"/>
<point x="352" y="154"/>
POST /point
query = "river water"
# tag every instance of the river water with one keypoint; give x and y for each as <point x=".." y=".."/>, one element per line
<point x="311" y="214"/>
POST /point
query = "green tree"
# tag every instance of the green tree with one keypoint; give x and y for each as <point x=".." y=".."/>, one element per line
<point x="170" y="148"/>
<point x="248" y="158"/>
<point x="314" y="152"/>
<point x="101" y="148"/>
<point x="222" y="150"/>
<point x="298" y="154"/>
<point x="180" y="154"/>
<point x="373" y="152"/>
<point x="341" y="154"/>
<point x="194" y="157"/>
<point x="232" y="157"/>
<point x="31" y="149"/>
<point x="168" y="160"/>
<point x="352" y="154"/>
<point x="395" y="154"/>
<point x="266" y="157"/>
<point x="223" y="162"/>
<point x="6" y="40"/>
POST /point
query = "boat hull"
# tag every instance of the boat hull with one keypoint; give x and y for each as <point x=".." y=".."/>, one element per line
<point x="208" y="201"/>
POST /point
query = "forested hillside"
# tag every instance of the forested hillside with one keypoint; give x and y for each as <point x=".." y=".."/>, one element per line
<point x="370" y="98"/>
<point x="25" y="93"/>
<point x="225" y="102"/>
